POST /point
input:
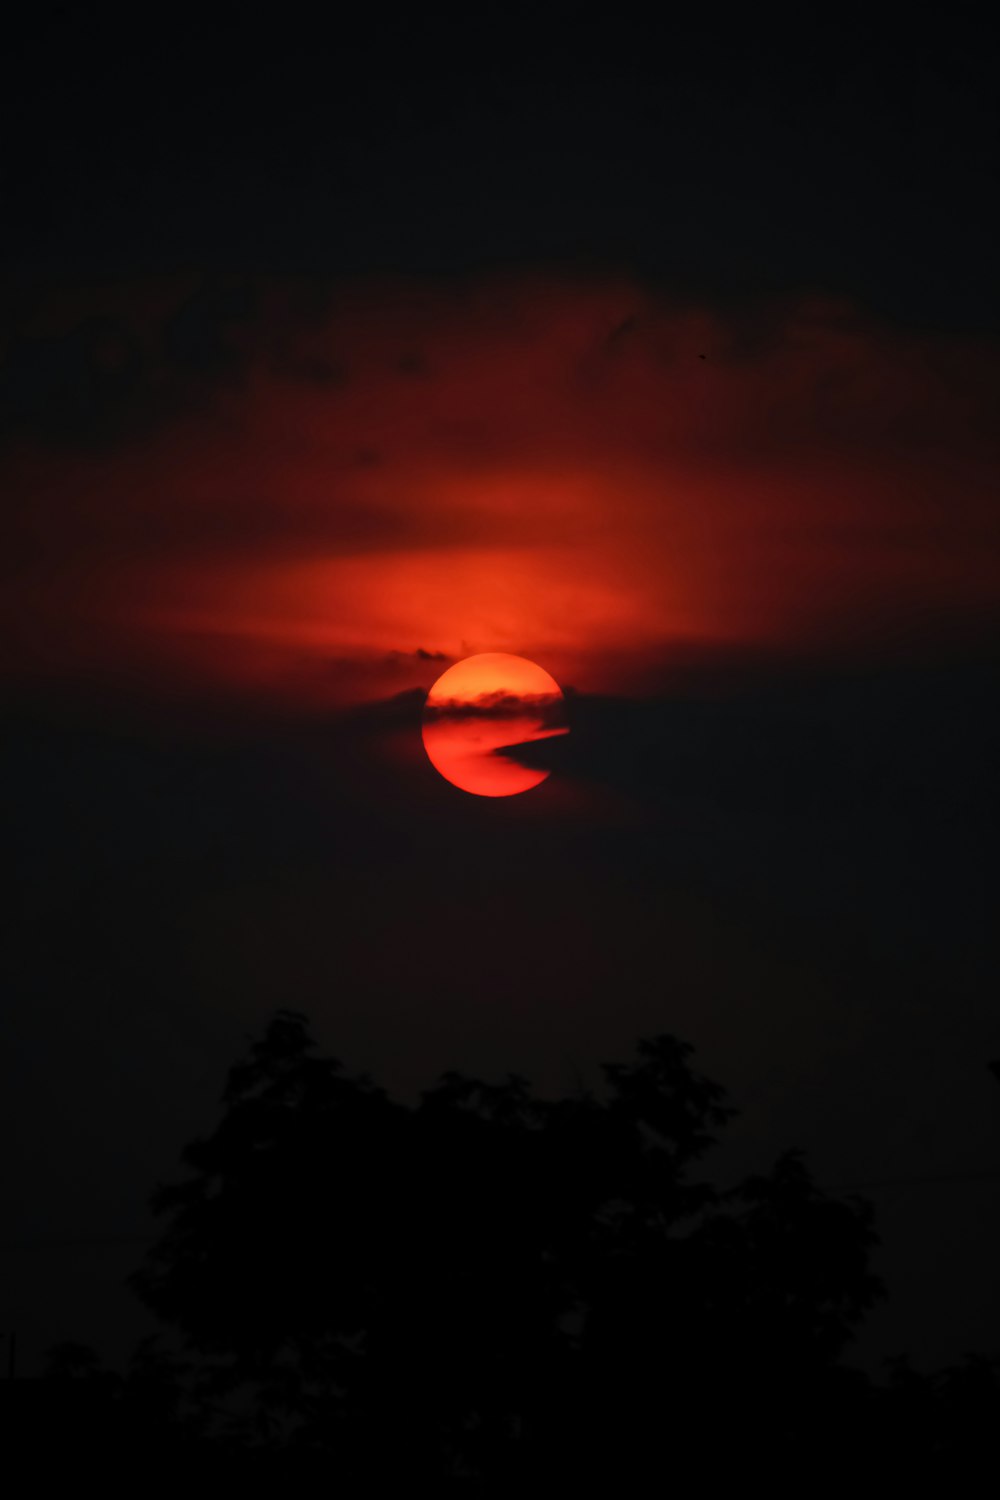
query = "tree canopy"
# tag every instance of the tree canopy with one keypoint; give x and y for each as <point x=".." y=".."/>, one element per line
<point x="500" y="1289"/>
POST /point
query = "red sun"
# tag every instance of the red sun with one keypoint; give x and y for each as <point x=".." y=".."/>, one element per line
<point x="483" y="706"/>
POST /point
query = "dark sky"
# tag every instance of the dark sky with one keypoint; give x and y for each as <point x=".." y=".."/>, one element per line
<point x="662" y="354"/>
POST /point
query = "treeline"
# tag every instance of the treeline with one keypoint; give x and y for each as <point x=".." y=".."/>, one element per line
<point x="504" y="1294"/>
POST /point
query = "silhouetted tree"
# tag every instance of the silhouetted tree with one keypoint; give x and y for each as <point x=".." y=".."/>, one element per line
<point x="497" y="1288"/>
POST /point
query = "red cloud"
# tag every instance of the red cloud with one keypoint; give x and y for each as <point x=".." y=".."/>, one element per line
<point x="580" y="473"/>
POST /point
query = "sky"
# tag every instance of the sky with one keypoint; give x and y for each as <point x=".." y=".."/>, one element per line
<point x="664" y="357"/>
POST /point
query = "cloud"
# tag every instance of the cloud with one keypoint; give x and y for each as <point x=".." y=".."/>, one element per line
<point x="545" y="708"/>
<point x="215" y="474"/>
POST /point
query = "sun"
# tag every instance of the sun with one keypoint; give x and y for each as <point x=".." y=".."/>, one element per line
<point x="479" y="710"/>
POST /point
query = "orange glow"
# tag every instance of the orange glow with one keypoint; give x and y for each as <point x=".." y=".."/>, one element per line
<point x="481" y="706"/>
<point x="580" y="472"/>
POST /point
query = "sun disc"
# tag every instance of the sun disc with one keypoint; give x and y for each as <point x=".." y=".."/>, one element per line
<point x="482" y="707"/>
